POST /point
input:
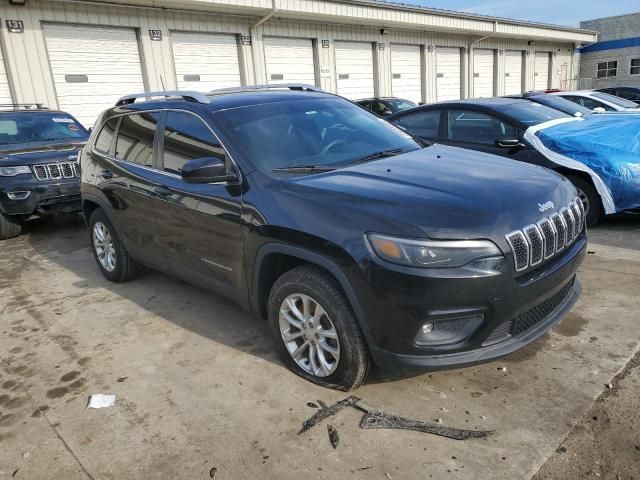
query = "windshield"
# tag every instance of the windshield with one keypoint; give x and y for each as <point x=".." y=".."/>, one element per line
<point x="327" y="132"/>
<point x="621" y="102"/>
<point x="562" y="104"/>
<point x="27" y="127"/>
<point x="530" y="113"/>
<point x="399" y="105"/>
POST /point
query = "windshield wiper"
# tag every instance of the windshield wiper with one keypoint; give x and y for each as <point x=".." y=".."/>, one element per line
<point x="304" y="169"/>
<point x="377" y="155"/>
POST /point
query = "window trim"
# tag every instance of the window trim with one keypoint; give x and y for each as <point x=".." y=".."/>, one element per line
<point x="111" y="155"/>
<point x="607" y="68"/>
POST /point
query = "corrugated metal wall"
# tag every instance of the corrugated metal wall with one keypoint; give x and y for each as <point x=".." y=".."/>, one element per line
<point x="31" y="80"/>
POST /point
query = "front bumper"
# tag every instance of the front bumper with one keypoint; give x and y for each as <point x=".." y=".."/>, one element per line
<point x="515" y="310"/>
<point x="44" y="196"/>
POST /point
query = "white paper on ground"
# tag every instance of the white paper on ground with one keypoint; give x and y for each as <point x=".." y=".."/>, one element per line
<point x="99" y="400"/>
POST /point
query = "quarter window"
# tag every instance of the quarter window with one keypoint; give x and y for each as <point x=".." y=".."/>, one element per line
<point x="187" y="137"/>
<point x="607" y="69"/>
<point x="105" y="137"/>
<point x="422" y="124"/>
<point x="635" y="66"/>
<point x="135" y="138"/>
<point x="475" y="127"/>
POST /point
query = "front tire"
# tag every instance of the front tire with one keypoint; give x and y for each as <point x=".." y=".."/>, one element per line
<point x="10" y="226"/>
<point x="110" y="255"/>
<point x="315" y="330"/>
<point x="590" y="199"/>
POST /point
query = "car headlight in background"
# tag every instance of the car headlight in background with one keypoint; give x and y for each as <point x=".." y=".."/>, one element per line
<point x="13" y="171"/>
<point x="482" y="256"/>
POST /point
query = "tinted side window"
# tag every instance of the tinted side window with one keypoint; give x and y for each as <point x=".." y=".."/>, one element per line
<point x="187" y="137"/>
<point x="379" y="108"/>
<point x="475" y="127"/>
<point x="422" y="124"/>
<point x="135" y="138"/>
<point x="105" y="137"/>
<point x="633" y="95"/>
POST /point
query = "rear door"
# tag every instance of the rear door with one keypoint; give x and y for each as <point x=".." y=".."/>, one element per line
<point x="481" y="131"/>
<point x="199" y="225"/>
<point x="126" y="177"/>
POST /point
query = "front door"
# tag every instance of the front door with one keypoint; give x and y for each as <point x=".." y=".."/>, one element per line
<point x="199" y="225"/>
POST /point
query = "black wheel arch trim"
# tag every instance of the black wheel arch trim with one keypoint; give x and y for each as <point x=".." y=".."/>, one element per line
<point x="313" y="258"/>
<point x="103" y="204"/>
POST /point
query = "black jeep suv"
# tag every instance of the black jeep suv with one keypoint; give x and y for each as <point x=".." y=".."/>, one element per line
<point x="356" y="244"/>
<point x="38" y="164"/>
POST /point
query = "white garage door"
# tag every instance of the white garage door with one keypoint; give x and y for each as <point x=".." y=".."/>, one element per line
<point x="289" y="60"/>
<point x="483" y="73"/>
<point x="92" y="67"/>
<point x="513" y="72"/>
<point x="406" y="72"/>
<point x="5" y="91"/>
<point x="541" y="71"/>
<point x="448" y="73"/>
<point x="205" y="61"/>
<point x="354" y="69"/>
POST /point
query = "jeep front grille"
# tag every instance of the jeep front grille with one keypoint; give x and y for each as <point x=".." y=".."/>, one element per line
<point x="56" y="171"/>
<point x="535" y="243"/>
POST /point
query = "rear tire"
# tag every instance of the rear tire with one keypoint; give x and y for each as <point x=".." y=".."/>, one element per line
<point x="331" y="327"/>
<point x="112" y="258"/>
<point x="10" y="226"/>
<point x="590" y="199"/>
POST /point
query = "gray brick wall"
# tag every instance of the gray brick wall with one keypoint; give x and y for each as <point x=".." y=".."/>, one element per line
<point x="613" y="28"/>
<point x="589" y="67"/>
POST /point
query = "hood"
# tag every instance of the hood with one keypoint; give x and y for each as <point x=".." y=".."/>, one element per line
<point x="39" y="152"/>
<point x="445" y="192"/>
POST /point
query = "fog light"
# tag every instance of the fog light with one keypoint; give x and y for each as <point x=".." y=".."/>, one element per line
<point x="448" y="330"/>
<point x="427" y="328"/>
<point x="18" y="195"/>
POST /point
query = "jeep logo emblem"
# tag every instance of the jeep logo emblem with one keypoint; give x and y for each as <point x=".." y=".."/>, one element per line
<point x="543" y="207"/>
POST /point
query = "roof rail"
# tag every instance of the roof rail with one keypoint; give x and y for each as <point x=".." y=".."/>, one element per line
<point x="269" y="86"/>
<point x="187" y="95"/>
<point x="23" y="106"/>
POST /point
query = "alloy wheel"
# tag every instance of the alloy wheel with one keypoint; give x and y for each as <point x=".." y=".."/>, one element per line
<point x="309" y="335"/>
<point x="585" y="200"/>
<point x="104" y="247"/>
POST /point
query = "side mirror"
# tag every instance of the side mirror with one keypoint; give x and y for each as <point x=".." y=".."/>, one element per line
<point x="205" y="170"/>
<point x="509" y="143"/>
<point x="599" y="110"/>
<point x="386" y="112"/>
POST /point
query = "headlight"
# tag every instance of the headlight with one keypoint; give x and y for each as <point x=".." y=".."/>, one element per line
<point x="481" y="255"/>
<point x="13" y="171"/>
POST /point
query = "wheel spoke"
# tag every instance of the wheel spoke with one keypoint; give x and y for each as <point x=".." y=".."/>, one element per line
<point x="331" y="333"/>
<point x="306" y="306"/>
<point x="313" y="351"/>
<point x="291" y="336"/>
<point x="328" y="348"/>
<point x="325" y="366"/>
<point x="298" y="351"/>
<point x="293" y="321"/>
<point x="294" y="308"/>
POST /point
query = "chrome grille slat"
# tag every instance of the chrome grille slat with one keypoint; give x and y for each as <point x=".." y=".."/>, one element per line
<point x="56" y="171"/>
<point x="520" y="249"/>
<point x="535" y="243"/>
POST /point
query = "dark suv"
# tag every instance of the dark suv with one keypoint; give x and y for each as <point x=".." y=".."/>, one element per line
<point x="38" y="164"/>
<point x="356" y="244"/>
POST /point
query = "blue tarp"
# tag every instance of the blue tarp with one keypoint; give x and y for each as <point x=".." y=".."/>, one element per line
<point x="609" y="145"/>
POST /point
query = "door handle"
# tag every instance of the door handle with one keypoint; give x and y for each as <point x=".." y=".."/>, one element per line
<point x="162" y="190"/>
<point x="106" y="174"/>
